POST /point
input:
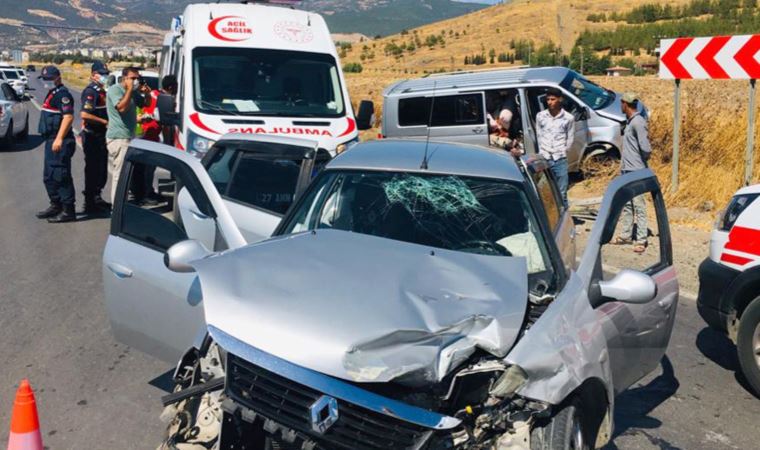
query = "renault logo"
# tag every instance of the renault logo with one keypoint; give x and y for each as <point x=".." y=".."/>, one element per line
<point x="324" y="414"/>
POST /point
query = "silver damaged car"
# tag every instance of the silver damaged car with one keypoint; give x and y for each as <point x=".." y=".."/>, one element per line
<point x="414" y="296"/>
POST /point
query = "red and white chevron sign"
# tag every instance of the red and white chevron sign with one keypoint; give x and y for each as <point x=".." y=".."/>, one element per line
<point x="720" y="57"/>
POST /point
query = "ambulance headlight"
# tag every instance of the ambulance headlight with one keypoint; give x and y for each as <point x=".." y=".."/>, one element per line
<point x="346" y="145"/>
<point x="198" y="145"/>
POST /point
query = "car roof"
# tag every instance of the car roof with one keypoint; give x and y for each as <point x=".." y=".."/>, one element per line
<point x="752" y="189"/>
<point x="478" y="79"/>
<point x="404" y="155"/>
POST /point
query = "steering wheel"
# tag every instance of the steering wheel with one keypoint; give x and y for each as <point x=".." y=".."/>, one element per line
<point x="485" y="247"/>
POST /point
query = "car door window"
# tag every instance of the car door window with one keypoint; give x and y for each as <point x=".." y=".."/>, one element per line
<point x="149" y="221"/>
<point x="254" y="180"/>
<point x="265" y="183"/>
<point x="10" y="94"/>
<point x="549" y="196"/>
<point x="637" y="224"/>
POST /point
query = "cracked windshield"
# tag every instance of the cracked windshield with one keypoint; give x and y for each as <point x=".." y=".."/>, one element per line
<point x="450" y="212"/>
<point x="266" y="82"/>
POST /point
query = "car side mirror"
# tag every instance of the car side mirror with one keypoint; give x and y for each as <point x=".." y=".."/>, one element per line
<point x="365" y="119"/>
<point x="179" y="256"/>
<point x="166" y="114"/>
<point x="628" y="286"/>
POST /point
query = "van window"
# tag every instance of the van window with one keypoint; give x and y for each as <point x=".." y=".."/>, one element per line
<point x="450" y="110"/>
<point x="590" y="93"/>
<point x="249" y="81"/>
<point x="537" y="103"/>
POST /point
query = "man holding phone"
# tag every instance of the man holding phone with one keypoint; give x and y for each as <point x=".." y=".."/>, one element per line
<point x="122" y="101"/>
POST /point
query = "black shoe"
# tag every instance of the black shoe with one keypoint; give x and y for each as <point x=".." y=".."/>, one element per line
<point x="102" y="204"/>
<point x="66" y="215"/>
<point x="53" y="210"/>
<point x="147" y="201"/>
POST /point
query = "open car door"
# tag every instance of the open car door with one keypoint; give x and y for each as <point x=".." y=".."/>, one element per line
<point x="150" y="307"/>
<point x="637" y="333"/>
<point x="613" y="319"/>
<point x="258" y="178"/>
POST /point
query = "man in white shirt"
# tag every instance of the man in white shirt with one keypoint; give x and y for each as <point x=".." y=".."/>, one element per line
<point x="555" y="130"/>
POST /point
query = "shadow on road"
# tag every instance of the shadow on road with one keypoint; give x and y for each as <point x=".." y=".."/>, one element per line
<point x="718" y="348"/>
<point x="165" y="381"/>
<point x="632" y="407"/>
<point x="30" y="143"/>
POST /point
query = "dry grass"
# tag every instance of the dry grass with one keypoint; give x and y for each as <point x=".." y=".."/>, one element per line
<point x="713" y="138"/>
<point x="558" y="21"/>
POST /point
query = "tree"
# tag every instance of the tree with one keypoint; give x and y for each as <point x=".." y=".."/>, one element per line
<point x="353" y="68"/>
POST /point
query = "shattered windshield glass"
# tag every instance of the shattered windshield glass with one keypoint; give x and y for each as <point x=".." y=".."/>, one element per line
<point x="444" y="211"/>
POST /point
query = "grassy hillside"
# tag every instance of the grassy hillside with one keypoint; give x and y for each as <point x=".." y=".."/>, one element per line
<point x="542" y="21"/>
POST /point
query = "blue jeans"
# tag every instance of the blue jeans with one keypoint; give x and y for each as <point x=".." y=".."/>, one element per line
<point x="559" y="170"/>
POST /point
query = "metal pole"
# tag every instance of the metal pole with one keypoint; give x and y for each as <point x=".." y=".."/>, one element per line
<point x="581" y="60"/>
<point x="749" y="155"/>
<point x="676" y="136"/>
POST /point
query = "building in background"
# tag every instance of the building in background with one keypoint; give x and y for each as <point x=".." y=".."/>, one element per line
<point x="618" y="71"/>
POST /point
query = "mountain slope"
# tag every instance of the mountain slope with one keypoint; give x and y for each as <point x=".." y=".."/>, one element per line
<point x="384" y="17"/>
<point x="369" y="17"/>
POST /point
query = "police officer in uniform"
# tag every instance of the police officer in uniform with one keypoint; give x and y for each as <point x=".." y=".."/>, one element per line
<point x="94" y="124"/>
<point x="56" y="118"/>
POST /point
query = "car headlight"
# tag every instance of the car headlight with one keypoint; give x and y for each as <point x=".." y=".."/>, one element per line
<point x="198" y="145"/>
<point x="509" y="382"/>
<point x="734" y="209"/>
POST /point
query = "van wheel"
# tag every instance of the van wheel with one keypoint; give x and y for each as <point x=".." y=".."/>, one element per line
<point x="563" y="431"/>
<point x="748" y="344"/>
<point x="600" y="162"/>
<point x="7" y="141"/>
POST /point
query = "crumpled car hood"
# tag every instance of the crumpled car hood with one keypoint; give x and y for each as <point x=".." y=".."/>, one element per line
<point x="363" y="308"/>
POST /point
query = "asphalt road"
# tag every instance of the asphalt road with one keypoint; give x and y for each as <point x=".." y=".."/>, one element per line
<point x="95" y="393"/>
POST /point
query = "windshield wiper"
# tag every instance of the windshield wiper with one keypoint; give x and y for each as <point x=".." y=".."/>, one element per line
<point x="218" y="108"/>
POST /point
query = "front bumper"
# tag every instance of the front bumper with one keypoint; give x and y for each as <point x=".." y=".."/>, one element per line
<point x="714" y="281"/>
<point x="290" y="395"/>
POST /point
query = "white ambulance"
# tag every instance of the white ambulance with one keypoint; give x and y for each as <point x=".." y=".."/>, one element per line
<point x="256" y="69"/>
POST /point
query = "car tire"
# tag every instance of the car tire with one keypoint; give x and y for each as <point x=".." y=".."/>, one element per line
<point x="25" y="132"/>
<point x="747" y="340"/>
<point x="565" y="430"/>
<point x="599" y="162"/>
<point x="7" y="141"/>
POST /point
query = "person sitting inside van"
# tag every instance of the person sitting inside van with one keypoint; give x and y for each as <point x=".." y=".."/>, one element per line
<point x="499" y="122"/>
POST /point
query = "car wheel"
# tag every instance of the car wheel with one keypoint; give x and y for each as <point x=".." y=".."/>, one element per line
<point x="748" y="344"/>
<point x="563" y="431"/>
<point x="25" y="132"/>
<point x="600" y="162"/>
<point x="7" y="141"/>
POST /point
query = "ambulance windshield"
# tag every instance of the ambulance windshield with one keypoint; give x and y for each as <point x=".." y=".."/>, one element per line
<point x="261" y="82"/>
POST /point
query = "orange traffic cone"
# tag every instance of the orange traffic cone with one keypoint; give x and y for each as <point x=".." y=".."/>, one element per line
<point x="25" y="424"/>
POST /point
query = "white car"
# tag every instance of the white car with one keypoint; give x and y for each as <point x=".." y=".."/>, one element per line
<point x="729" y="279"/>
<point x="149" y="76"/>
<point x="22" y="73"/>
<point x="14" y="116"/>
<point x="12" y="77"/>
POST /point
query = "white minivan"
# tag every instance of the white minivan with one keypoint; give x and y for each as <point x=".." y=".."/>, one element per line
<point x="255" y="69"/>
